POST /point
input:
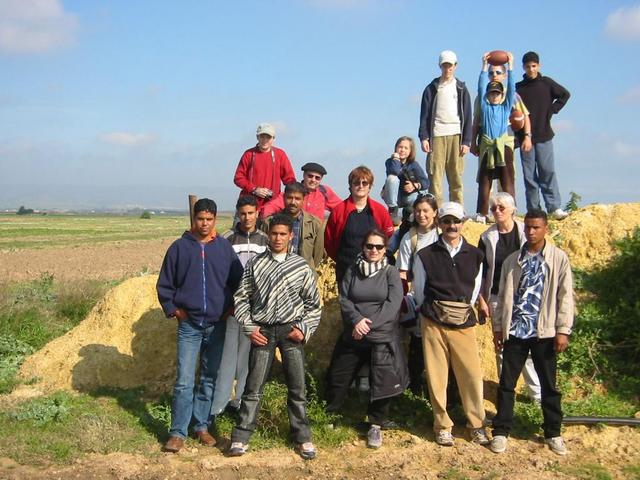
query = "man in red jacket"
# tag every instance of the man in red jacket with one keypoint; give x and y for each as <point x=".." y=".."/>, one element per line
<point x="263" y="168"/>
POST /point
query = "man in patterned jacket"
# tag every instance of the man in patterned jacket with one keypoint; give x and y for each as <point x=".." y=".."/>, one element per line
<point x="277" y="305"/>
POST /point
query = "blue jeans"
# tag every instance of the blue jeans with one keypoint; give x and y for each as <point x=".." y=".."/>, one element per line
<point x="234" y="366"/>
<point x="194" y="341"/>
<point x="260" y="360"/>
<point x="390" y="191"/>
<point x="539" y="173"/>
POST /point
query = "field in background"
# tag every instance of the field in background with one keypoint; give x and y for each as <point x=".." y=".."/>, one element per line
<point x="39" y="231"/>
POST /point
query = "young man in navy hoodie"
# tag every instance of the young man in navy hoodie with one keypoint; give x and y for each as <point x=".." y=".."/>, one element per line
<point x="199" y="276"/>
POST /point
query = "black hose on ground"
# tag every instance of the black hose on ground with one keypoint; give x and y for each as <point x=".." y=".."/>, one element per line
<point x="630" y="422"/>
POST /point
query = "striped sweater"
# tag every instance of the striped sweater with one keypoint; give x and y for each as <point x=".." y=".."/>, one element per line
<point x="273" y="292"/>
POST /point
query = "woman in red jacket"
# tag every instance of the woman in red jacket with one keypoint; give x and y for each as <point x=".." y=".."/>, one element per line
<point x="352" y="219"/>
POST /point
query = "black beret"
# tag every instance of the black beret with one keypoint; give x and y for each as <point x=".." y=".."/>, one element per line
<point x="314" y="167"/>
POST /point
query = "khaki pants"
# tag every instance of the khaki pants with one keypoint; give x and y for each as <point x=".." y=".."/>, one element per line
<point x="445" y="157"/>
<point x="458" y="348"/>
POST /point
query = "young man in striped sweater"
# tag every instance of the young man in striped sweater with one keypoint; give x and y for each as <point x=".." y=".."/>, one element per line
<point x="277" y="305"/>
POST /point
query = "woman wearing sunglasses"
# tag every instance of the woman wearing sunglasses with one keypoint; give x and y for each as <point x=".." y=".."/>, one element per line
<point x="498" y="242"/>
<point x="370" y="298"/>
<point x="352" y="219"/>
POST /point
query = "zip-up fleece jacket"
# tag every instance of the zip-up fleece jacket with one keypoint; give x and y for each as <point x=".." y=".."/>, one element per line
<point x="263" y="169"/>
<point x="556" y="304"/>
<point x="200" y="278"/>
<point x="246" y="245"/>
<point x="543" y="97"/>
<point x="338" y="220"/>
<point x="428" y="110"/>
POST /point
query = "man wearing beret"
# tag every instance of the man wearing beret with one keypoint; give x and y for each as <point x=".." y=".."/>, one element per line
<point x="319" y="198"/>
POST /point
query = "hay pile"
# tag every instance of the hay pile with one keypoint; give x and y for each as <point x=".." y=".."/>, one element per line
<point x="126" y="341"/>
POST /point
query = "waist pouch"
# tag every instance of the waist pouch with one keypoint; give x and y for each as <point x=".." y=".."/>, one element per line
<point x="452" y="313"/>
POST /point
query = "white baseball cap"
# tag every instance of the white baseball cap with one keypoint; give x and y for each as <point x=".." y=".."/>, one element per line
<point x="266" y="128"/>
<point x="452" y="209"/>
<point x="448" y="56"/>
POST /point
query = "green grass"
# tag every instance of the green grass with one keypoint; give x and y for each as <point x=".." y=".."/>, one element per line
<point x="34" y="313"/>
<point x="61" y="427"/>
<point x="588" y="471"/>
<point x="43" y="231"/>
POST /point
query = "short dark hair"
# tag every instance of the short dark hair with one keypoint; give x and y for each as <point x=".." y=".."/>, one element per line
<point x="537" y="213"/>
<point x="245" y="200"/>
<point x="375" y="232"/>
<point x="281" y="219"/>
<point x="429" y="199"/>
<point x="530" y="57"/>
<point x="205" y="205"/>
<point x="295" y="187"/>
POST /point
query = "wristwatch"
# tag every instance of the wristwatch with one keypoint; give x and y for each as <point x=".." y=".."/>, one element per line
<point x="527" y="135"/>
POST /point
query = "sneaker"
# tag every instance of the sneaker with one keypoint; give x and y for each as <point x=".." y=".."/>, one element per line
<point x="479" y="218"/>
<point x="306" y="450"/>
<point x="559" y="214"/>
<point x="237" y="449"/>
<point x="479" y="436"/>
<point x="498" y="444"/>
<point x="374" y="437"/>
<point x="557" y="446"/>
<point x="444" y="438"/>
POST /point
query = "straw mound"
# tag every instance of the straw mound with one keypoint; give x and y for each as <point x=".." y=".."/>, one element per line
<point x="126" y="341"/>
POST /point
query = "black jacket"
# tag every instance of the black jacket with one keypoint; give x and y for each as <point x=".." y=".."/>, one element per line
<point x="543" y="97"/>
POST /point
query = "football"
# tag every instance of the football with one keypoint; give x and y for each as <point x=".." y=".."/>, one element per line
<point x="516" y="120"/>
<point x="498" y="57"/>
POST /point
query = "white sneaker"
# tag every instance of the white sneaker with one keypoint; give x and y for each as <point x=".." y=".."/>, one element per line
<point x="498" y="444"/>
<point x="559" y="214"/>
<point x="237" y="449"/>
<point x="479" y="436"/>
<point x="479" y="218"/>
<point x="557" y="446"/>
<point x="444" y="438"/>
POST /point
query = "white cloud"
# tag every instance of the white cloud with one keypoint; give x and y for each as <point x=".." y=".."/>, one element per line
<point x="626" y="149"/>
<point x="630" y="96"/>
<point x="415" y="99"/>
<point x="35" y="26"/>
<point x="126" y="139"/>
<point x="624" y="23"/>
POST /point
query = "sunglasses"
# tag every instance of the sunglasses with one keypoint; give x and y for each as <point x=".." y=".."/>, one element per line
<point x="495" y="72"/>
<point x="499" y="208"/>
<point x="371" y="246"/>
<point x="313" y="176"/>
<point x="450" y="221"/>
<point x="358" y="183"/>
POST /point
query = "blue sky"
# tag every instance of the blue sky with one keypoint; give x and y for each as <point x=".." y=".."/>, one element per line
<point x="116" y="103"/>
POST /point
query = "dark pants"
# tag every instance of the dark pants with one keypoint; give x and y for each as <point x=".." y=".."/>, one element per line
<point x="505" y="174"/>
<point x="260" y="360"/>
<point x="416" y="365"/>
<point x="514" y="354"/>
<point x="346" y="362"/>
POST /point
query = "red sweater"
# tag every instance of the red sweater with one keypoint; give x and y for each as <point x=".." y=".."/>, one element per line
<point x="263" y="169"/>
<point x="338" y="219"/>
<point x="315" y="203"/>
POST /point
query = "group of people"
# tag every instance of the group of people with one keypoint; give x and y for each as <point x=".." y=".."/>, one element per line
<point x="239" y="295"/>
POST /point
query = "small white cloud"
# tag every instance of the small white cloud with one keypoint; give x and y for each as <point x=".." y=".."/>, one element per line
<point x="626" y="149"/>
<point x="35" y="26"/>
<point x="126" y="139"/>
<point x="415" y="99"/>
<point x="630" y="96"/>
<point x="624" y="23"/>
<point x="281" y="127"/>
<point x="563" y="126"/>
